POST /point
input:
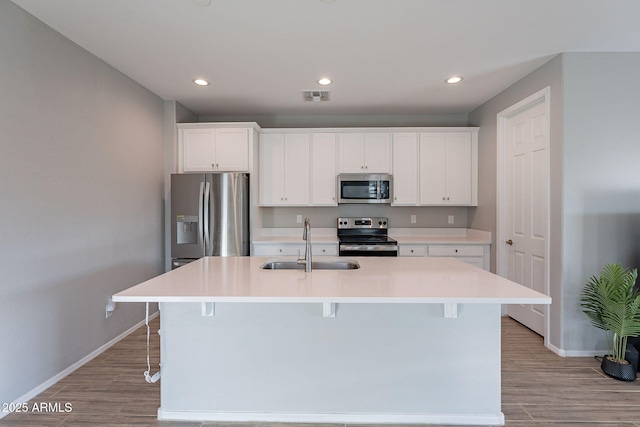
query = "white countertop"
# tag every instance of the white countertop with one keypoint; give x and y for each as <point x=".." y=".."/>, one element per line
<point x="379" y="280"/>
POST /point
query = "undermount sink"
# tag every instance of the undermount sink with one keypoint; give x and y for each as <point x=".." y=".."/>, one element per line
<point x="315" y="265"/>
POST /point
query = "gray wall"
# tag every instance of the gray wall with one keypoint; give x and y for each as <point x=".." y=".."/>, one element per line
<point x="595" y="177"/>
<point x="484" y="216"/>
<point x="601" y="180"/>
<point x="399" y="216"/>
<point x="81" y="183"/>
<point x="317" y="120"/>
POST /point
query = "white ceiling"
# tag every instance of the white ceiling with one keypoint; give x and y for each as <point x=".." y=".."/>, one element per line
<point x="385" y="56"/>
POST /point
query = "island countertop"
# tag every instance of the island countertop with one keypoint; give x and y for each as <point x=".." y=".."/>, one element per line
<point x="378" y="280"/>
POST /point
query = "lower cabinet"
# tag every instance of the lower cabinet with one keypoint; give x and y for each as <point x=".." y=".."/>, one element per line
<point x="477" y="255"/>
<point x="294" y="249"/>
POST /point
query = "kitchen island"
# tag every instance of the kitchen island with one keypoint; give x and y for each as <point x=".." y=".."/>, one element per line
<point x="399" y="340"/>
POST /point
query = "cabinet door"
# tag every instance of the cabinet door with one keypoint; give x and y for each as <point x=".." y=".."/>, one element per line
<point x="433" y="151"/>
<point x="198" y="149"/>
<point x="405" y="169"/>
<point x="351" y="153"/>
<point x="232" y="149"/>
<point x="458" y="174"/>
<point x="377" y="153"/>
<point x="296" y="169"/>
<point x="323" y="169"/>
<point x="271" y="169"/>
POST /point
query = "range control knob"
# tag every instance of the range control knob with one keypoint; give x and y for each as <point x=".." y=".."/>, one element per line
<point x="379" y="222"/>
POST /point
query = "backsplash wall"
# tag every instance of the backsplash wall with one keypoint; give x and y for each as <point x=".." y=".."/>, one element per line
<point x="399" y="216"/>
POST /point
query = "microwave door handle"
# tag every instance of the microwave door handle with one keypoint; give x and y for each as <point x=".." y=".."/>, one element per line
<point x="379" y="189"/>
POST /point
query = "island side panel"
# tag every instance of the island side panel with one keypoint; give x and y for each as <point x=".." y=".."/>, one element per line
<point x="371" y="360"/>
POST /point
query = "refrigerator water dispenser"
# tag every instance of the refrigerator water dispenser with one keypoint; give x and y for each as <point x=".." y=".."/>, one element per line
<point x="187" y="228"/>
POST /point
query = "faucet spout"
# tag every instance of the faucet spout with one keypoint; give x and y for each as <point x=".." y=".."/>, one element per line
<point x="306" y="236"/>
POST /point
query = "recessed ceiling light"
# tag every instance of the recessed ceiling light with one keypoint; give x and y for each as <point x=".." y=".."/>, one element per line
<point x="202" y="2"/>
<point x="201" y="82"/>
<point x="325" y="81"/>
<point x="453" y="80"/>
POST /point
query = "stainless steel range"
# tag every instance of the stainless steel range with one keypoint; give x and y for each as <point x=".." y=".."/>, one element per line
<point x="365" y="237"/>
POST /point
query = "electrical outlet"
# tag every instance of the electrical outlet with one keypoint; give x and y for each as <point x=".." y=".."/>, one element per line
<point x="299" y="219"/>
<point x="111" y="307"/>
<point x="451" y="219"/>
<point x="413" y="219"/>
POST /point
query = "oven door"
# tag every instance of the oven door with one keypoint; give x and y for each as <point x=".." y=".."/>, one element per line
<point x="355" y="249"/>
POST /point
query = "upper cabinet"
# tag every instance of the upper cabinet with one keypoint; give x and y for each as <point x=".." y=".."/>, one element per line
<point x="364" y="152"/>
<point x="323" y="169"/>
<point x="448" y="168"/>
<point x="212" y="149"/>
<point x="405" y="169"/>
<point x="284" y="169"/>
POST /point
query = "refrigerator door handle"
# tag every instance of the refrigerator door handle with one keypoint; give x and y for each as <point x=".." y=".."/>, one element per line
<point x="207" y="196"/>
<point x="200" y="217"/>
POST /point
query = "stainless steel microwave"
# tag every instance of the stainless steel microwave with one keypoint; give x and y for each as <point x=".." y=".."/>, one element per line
<point x="364" y="188"/>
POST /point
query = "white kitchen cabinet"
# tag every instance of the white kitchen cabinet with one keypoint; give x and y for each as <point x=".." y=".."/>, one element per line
<point x="474" y="254"/>
<point x="448" y="168"/>
<point x="477" y="255"/>
<point x="214" y="149"/>
<point x="405" y="169"/>
<point x="323" y="169"/>
<point x="412" y="250"/>
<point x="284" y="169"/>
<point x="364" y="152"/>
<point x="293" y="249"/>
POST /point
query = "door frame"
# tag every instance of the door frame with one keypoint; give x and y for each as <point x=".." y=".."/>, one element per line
<point x="502" y="210"/>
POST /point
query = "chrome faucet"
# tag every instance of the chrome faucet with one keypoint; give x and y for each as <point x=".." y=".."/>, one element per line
<point x="306" y="235"/>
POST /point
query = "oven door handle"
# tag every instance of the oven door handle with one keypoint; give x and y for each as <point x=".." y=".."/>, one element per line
<point x="368" y="248"/>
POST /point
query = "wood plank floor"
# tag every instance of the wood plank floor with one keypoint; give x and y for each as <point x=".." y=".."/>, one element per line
<point x="539" y="388"/>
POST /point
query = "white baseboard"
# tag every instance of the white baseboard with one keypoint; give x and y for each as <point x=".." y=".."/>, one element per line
<point x="576" y="353"/>
<point x="442" y="419"/>
<point x="51" y="381"/>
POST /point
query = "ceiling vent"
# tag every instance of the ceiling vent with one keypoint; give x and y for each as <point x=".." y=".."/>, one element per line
<point x="316" y="95"/>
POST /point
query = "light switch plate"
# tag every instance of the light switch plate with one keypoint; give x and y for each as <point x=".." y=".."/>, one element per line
<point x="299" y="219"/>
<point x="450" y="219"/>
<point x="413" y="219"/>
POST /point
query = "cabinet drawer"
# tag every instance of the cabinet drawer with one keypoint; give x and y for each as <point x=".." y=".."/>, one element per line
<point x="278" y="249"/>
<point x="412" y="250"/>
<point x="324" y="249"/>
<point x="456" y="250"/>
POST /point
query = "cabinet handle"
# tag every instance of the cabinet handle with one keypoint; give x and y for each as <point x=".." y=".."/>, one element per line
<point x="509" y="242"/>
<point x="411" y="250"/>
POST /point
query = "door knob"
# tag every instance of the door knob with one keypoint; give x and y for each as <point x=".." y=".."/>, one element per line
<point x="509" y="242"/>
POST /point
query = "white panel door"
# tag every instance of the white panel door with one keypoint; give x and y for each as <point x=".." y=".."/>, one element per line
<point x="198" y="150"/>
<point x="405" y="169"/>
<point x="527" y="171"/>
<point x="350" y="152"/>
<point x="377" y="153"/>
<point x="458" y="168"/>
<point x="296" y="169"/>
<point x="271" y="169"/>
<point x="433" y="154"/>
<point x="232" y="149"/>
<point x="323" y="169"/>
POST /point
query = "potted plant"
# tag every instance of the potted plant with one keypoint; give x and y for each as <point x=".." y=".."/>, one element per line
<point x="612" y="304"/>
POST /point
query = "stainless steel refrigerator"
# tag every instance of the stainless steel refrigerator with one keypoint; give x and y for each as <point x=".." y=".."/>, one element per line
<point x="209" y="216"/>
